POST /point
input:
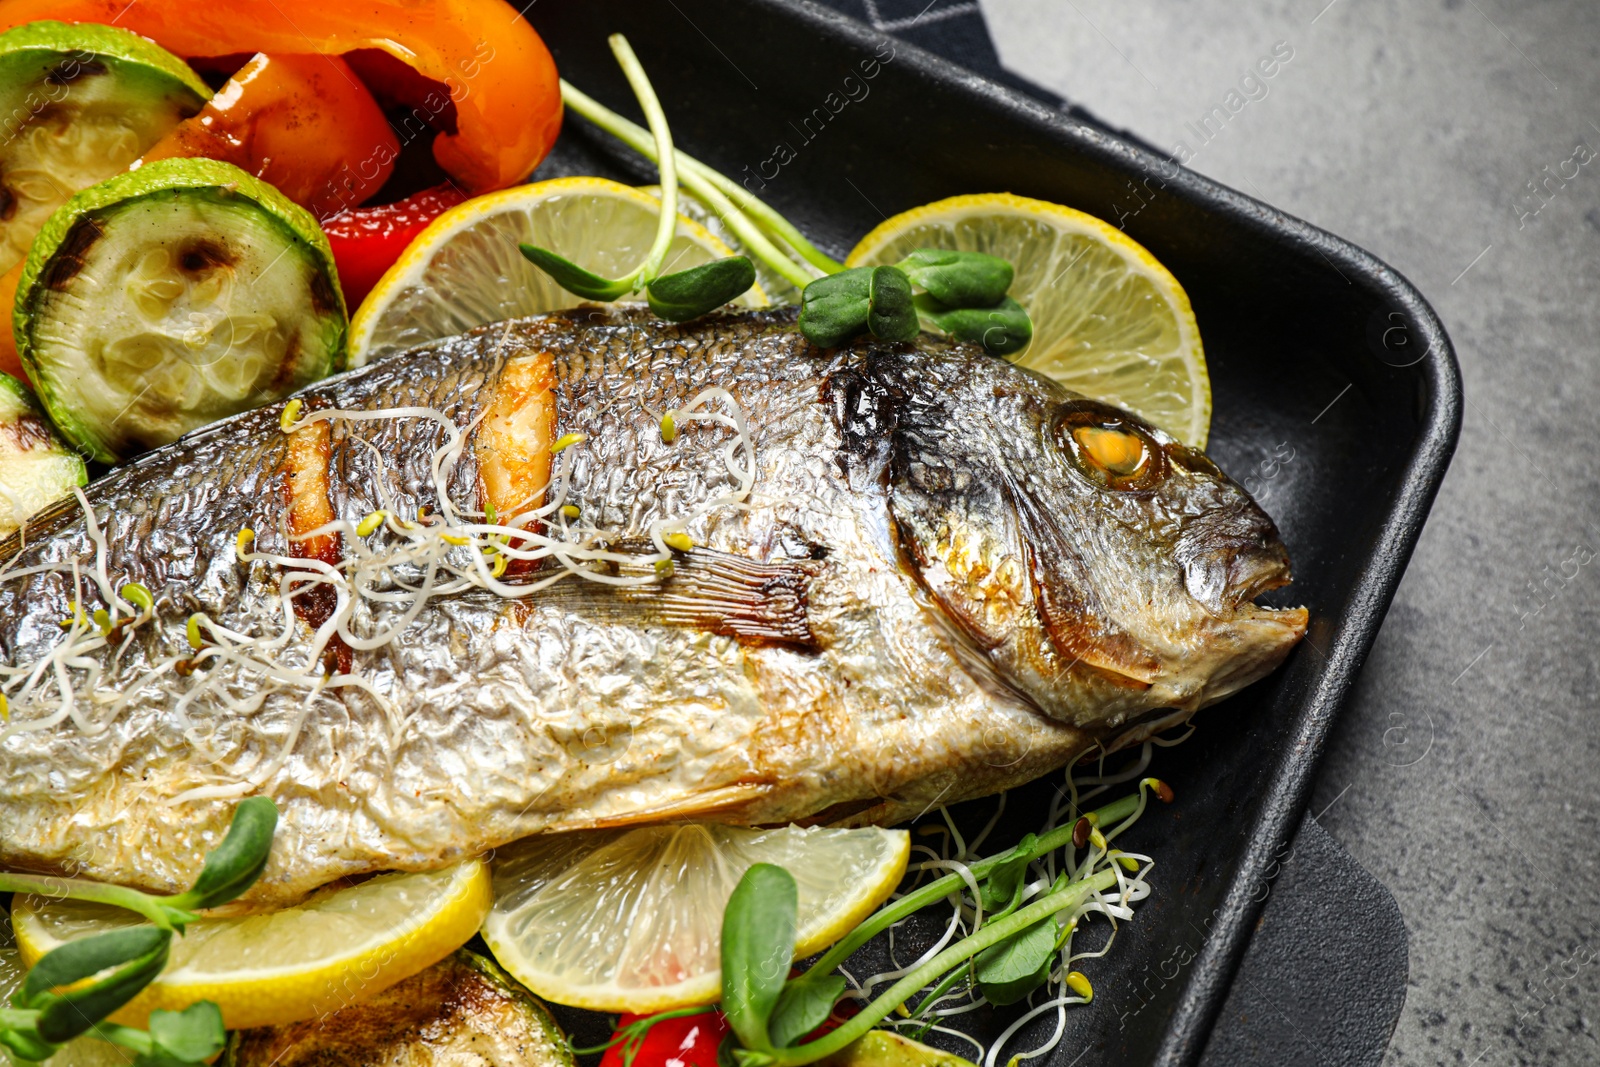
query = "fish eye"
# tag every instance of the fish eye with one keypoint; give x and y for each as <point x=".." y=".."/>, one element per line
<point x="1118" y="452"/>
<point x="1110" y="448"/>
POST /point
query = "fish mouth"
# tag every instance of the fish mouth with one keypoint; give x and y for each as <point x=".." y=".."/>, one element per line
<point x="1224" y="580"/>
<point x="1256" y="571"/>
<point x="1265" y="635"/>
<point x="1228" y="561"/>
<point x="1231" y="557"/>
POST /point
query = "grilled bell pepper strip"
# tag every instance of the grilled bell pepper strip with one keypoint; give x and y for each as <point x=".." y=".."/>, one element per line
<point x="302" y="123"/>
<point x="500" y="79"/>
<point x="366" y="241"/>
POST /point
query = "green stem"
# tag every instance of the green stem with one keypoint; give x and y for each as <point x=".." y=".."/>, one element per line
<point x="695" y="177"/>
<point x="152" y="908"/>
<point x="768" y="218"/>
<point x="643" y="1027"/>
<point x="942" y="887"/>
<point x="127" y="1037"/>
<point x="699" y="178"/>
<point x="18" y="1018"/>
<point x="666" y="161"/>
<point x="947" y="983"/>
<point x="1069" y="896"/>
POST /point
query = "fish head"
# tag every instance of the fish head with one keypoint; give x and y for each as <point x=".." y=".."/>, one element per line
<point x="1102" y="566"/>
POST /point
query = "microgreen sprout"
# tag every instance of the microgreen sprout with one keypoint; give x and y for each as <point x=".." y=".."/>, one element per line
<point x="962" y="293"/>
<point x="377" y="587"/>
<point x="67" y="993"/>
<point x="291" y="414"/>
<point x="191" y="629"/>
<point x="1016" y="942"/>
<point x="372" y="520"/>
<point x="570" y="511"/>
<point x="584" y="283"/>
<point x="241" y="543"/>
<point x="566" y="441"/>
<point x="669" y="429"/>
<point x="138" y="596"/>
<point x="678" y="541"/>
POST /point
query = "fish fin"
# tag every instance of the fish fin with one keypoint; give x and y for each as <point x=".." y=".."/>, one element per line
<point x="754" y="603"/>
<point x="980" y="548"/>
<point x="704" y="804"/>
<point x="1073" y="620"/>
<point x="734" y="596"/>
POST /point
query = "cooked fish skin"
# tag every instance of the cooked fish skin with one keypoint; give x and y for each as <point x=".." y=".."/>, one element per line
<point x="928" y="597"/>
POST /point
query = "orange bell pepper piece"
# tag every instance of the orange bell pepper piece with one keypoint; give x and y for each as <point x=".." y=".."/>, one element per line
<point x="303" y="123"/>
<point x="499" y="75"/>
<point x="10" y="360"/>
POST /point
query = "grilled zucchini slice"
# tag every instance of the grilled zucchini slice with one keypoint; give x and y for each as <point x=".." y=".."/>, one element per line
<point x="78" y="104"/>
<point x="35" y="467"/>
<point x="171" y="296"/>
<point x="462" y="1012"/>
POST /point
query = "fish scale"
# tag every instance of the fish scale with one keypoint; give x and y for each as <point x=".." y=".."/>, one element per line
<point x="922" y="600"/>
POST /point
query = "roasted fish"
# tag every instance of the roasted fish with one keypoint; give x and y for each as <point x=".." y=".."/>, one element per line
<point x="589" y="570"/>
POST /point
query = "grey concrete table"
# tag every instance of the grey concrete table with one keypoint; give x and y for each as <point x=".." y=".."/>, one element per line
<point x="1458" y="140"/>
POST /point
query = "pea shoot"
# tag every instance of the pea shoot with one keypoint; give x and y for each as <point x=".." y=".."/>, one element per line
<point x="960" y="293"/>
<point x="55" y="1003"/>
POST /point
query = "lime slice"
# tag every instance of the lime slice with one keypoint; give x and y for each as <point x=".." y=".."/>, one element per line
<point x="1109" y="321"/>
<point x="297" y="963"/>
<point x="632" y="920"/>
<point x="78" y="104"/>
<point x="465" y="270"/>
<point x="168" y="297"/>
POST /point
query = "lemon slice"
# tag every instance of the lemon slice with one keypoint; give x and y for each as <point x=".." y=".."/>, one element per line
<point x="464" y="270"/>
<point x="632" y="920"/>
<point x="1109" y="321"/>
<point x="298" y="963"/>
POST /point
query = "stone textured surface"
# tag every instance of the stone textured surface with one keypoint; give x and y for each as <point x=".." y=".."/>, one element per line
<point x="1453" y="139"/>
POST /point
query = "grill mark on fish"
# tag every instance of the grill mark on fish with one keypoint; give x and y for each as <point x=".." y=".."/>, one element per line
<point x="866" y="414"/>
<point x="512" y="444"/>
<point x="308" y="504"/>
